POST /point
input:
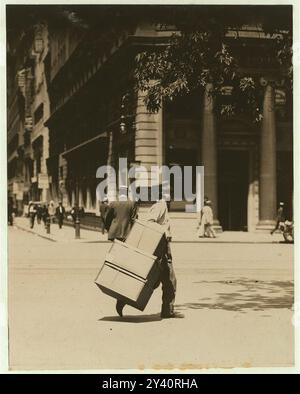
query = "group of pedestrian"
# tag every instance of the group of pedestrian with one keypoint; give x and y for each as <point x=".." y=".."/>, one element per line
<point x="205" y="227"/>
<point x="37" y="211"/>
<point x="44" y="213"/>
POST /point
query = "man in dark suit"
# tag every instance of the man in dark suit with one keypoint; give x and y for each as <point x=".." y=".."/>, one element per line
<point x="60" y="213"/>
<point x="45" y="214"/>
<point x="103" y="213"/>
<point x="120" y="218"/>
<point x="32" y="213"/>
<point x="280" y="218"/>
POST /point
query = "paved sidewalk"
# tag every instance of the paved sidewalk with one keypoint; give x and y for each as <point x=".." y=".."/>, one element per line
<point x="183" y="231"/>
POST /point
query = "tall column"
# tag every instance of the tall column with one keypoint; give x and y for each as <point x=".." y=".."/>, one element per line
<point x="63" y="164"/>
<point x="73" y="200"/>
<point x="89" y="206"/>
<point x="267" y="183"/>
<point x="148" y="139"/>
<point x="209" y="150"/>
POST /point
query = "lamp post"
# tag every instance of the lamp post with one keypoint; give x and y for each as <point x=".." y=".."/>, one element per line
<point x="125" y="113"/>
<point x="77" y="218"/>
<point x="48" y="225"/>
<point x="123" y="117"/>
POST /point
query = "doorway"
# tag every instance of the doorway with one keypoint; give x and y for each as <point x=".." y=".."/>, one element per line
<point x="233" y="179"/>
<point x="181" y="157"/>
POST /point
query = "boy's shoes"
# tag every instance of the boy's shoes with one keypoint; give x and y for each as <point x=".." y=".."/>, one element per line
<point x="119" y="307"/>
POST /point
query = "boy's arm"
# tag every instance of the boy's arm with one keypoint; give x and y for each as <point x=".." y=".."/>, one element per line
<point x="153" y="214"/>
<point x="134" y="212"/>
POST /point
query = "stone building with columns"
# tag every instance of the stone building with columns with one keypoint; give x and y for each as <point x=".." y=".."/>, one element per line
<point x="95" y="118"/>
<point x="40" y="112"/>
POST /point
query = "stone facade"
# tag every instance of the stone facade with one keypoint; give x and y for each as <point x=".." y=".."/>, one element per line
<point x="246" y="171"/>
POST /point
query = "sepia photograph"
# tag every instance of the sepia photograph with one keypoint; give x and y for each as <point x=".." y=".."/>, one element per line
<point x="149" y="186"/>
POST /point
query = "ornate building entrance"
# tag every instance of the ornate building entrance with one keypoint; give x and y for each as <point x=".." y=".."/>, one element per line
<point x="233" y="185"/>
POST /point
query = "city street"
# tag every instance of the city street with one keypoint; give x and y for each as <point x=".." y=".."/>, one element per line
<point x="237" y="299"/>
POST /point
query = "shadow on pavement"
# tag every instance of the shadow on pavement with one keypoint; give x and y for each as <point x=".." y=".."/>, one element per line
<point x="243" y="295"/>
<point x="133" y="318"/>
<point x="98" y="242"/>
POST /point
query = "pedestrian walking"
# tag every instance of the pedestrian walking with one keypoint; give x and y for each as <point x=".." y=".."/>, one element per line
<point x="206" y="223"/>
<point x="75" y="213"/>
<point x="158" y="213"/>
<point x="60" y="214"/>
<point x="103" y="213"/>
<point x="51" y="211"/>
<point x="32" y="213"/>
<point x="280" y="218"/>
<point x="39" y="213"/>
<point x="45" y="214"/>
<point x="10" y="211"/>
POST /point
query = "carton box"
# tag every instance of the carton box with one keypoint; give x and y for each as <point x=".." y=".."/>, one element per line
<point x="128" y="274"/>
<point x="148" y="237"/>
<point x="132" y="259"/>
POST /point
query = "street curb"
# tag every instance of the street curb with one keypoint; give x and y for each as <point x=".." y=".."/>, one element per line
<point x="33" y="232"/>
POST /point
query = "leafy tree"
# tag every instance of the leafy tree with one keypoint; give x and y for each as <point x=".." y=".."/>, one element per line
<point x="199" y="52"/>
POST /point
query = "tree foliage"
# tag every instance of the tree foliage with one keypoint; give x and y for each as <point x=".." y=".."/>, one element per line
<point x="199" y="52"/>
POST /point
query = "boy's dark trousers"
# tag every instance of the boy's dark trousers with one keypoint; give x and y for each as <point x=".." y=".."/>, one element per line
<point x="168" y="281"/>
<point x="32" y="218"/>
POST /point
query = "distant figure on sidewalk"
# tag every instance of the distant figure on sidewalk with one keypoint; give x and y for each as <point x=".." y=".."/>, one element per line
<point x="201" y="212"/>
<point x="280" y="218"/>
<point x="75" y="213"/>
<point x="206" y="224"/>
<point x="10" y="211"/>
<point x="45" y="214"/>
<point x="158" y="213"/>
<point x="32" y="213"/>
<point x="39" y="213"/>
<point x="51" y="211"/>
<point x="60" y="214"/>
<point x="103" y="213"/>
